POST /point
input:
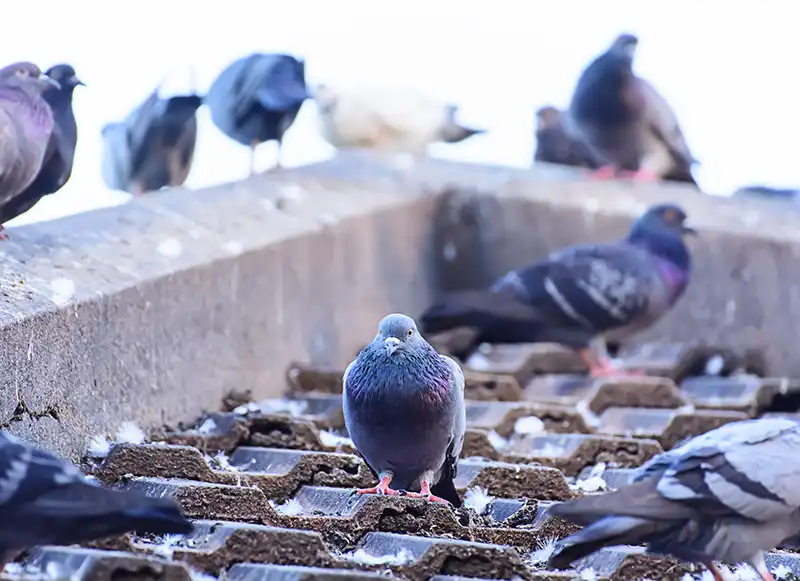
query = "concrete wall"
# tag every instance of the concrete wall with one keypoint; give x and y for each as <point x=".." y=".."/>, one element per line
<point x="151" y="311"/>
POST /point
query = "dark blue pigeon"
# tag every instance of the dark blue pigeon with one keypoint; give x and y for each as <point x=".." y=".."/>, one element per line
<point x="26" y="124"/>
<point x="727" y="495"/>
<point x="58" y="158"/>
<point x="153" y="147"/>
<point x="45" y="500"/>
<point x="626" y="122"/>
<point x="581" y="296"/>
<point x="257" y="98"/>
<point x="404" y="410"/>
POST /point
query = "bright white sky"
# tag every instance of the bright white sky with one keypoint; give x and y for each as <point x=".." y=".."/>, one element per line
<point x="716" y="61"/>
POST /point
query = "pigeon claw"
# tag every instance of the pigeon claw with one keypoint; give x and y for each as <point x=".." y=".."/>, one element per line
<point x="2" y="235"/>
<point x="641" y="176"/>
<point x="606" y="172"/>
<point x="381" y="488"/>
<point x="425" y="492"/>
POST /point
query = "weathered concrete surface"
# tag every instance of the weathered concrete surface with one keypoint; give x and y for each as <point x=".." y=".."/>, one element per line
<point x="152" y="310"/>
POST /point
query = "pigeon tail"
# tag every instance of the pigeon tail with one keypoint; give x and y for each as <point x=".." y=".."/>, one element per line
<point x="158" y="520"/>
<point x="498" y="317"/>
<point x="105" y="511"/>
<point x="681" y="175"/>
<point x="610" y="531"/>
<point x="454" y="133"/>
<point x="446" y="489"/>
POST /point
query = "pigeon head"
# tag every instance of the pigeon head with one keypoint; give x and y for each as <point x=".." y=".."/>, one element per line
<point x="28" y="75"/>
<point x="661" y="231"/>
<point x="547" y="117"/>
<point x="397" y="333"/>
<point x="664" y="219"/>
<point x="65" y="76"/>
<point x="624" y="46"/>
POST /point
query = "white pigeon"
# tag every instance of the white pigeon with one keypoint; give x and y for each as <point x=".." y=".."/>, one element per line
<point x="387" y="119"/>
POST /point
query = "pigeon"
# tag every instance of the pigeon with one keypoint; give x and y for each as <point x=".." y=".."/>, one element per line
<point x="554" y="144"/>
<point x="57" y="164"/>
<point x="404" y="411"/>
<point x="26" y="124"/>
<point x="257" y="98"/>
<point x="768" y="193"/>
<point x="391" y="120"/>
<point x="626" y="122"/>
<point x="727" y="495"/>
<point x="153" y="147"/>
<point x="581" y="296"/>
<point x="45" y="500"/>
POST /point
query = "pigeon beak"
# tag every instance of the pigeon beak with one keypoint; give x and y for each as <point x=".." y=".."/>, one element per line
<point x="392" y="343"/>
<point x="688" y="230"/>
<point x="76" y="81"/>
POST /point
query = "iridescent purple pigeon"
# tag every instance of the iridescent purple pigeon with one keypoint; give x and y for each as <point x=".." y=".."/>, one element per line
<point x="581" y="296"/>
<point x="26" y="124"/>
<point x="404" y="410"/>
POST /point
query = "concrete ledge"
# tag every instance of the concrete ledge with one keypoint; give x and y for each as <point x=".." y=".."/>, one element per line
<point x="152" y="310"/>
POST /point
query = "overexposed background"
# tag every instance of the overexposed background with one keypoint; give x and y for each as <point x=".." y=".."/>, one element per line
<point x="722" y="65"/>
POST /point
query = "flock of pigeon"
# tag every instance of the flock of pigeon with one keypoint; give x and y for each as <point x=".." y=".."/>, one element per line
<point x="723" y="496"/>
<point x="617" y="125"/>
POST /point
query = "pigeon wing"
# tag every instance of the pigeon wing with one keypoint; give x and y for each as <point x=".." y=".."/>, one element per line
<point x="749" y="469"/>
<point x="597" y="287"/>
<point x="27" y="473"/>
<point x="663" y="123"/>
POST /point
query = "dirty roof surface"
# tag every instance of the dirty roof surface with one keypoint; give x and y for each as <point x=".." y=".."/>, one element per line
<point x="269" y="484"/>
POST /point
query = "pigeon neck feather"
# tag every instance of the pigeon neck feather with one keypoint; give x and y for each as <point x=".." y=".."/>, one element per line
<point x="416" y="374"/>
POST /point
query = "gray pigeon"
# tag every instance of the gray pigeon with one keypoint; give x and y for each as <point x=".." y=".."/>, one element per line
<point x="581" y="296"/>
<point x="45" y="501"/>
<point x="727" y="495"/>
<point x="554" y="144"/>
<point x="626" y="122"/>
<point x="57" y="163"/>
<point x="404" y="410"/>
<point x="257" y="98"/>
<point x="26" y="124"/>
<point x="153" y="147"/>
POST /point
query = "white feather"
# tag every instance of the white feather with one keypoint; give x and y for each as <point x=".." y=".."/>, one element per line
<point x="478" y="499"/>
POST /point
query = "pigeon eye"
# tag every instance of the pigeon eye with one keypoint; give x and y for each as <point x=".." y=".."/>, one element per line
<point x="22" y="73"/>
<point x="410" y="332"/>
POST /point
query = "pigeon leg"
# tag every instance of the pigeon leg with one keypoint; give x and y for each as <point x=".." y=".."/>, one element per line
<point x="425" y="490"/>
<point x="718" y="576"/>
<point x="760" y="566"/>
<point x="2" y="235"/>
<point x="602" y="366"/>
<point x="606" y="172"/>
<point x="382" y="487"/>
<point x="278" y="158"/>
<point x="253" y="146"/>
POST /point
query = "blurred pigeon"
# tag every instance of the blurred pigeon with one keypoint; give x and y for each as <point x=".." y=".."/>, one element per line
<point x="394" y="120"/>
<point x="257" y="98"/>
<point x="767" y="192"/>
<point x="153" y="147"/>
<point x="554" y="144"/>
<point x="57" y="164"/>
<point x="626" y="122"/>
<point x="581" y="296"/>
<point x="404" y="410"/>
<point x="45" y="500"/>
<point x="727" y="495"/>
<point x="26" y="124"/>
